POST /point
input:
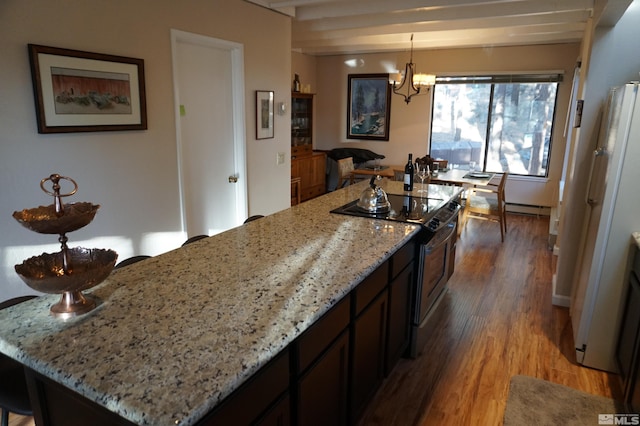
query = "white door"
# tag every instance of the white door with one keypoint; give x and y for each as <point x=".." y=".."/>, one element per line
<point x="209" y="95"/>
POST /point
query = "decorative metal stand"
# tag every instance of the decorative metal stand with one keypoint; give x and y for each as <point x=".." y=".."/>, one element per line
<point x="71" y="270"/>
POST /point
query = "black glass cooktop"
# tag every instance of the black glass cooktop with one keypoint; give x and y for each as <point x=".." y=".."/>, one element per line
<point x="404" y="208"/>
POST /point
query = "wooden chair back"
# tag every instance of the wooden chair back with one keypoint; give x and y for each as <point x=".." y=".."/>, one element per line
<point x="345" y="171"/>
<point x="488" y="202"/>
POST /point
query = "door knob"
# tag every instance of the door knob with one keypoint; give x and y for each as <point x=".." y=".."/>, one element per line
<point x="233" y="179"/>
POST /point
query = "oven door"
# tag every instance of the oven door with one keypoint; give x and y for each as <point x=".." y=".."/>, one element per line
<point x="434" y="270"/>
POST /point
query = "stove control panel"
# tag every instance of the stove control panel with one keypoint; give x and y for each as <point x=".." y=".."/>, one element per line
<point x="445" y="215"/>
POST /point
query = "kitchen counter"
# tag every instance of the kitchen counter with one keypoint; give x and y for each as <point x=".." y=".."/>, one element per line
<point x="175" y="334"/>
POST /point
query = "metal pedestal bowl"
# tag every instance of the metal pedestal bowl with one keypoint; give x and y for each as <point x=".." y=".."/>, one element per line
<point x="85" y="268"/>
<point x="45" y="219"/>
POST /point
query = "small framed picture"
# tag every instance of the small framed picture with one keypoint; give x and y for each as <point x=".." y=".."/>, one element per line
<point x="368" y="107"/>
<point x="264" y="114"/>
<point x="78" y="91"/>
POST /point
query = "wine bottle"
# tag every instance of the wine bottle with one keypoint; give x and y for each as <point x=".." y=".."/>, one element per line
<point x="296" y="83"/>
<point x="408" y="174"/>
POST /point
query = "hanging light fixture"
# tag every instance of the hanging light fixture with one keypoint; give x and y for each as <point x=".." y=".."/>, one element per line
<point x="411" y="82"/>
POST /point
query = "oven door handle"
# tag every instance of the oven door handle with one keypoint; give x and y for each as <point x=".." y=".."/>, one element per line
<point x="441" y="237"/>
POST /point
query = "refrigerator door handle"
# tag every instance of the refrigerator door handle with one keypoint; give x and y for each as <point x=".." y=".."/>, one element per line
<point x="591" y="197"/>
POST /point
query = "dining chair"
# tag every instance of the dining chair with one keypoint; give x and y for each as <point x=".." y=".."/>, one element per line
<point x="14" y="396"/>
<point x="488" y="202"/>
<point x="345" y="171"/>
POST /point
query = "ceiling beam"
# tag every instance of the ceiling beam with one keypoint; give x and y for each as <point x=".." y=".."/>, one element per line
<point x="445" y="14"/>
<point x="445" y="39"/>
<point x="302" y="34"/>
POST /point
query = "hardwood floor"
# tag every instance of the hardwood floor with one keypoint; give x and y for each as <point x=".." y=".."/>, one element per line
<point x="16" y="420"/>
<point x="495" y="321"/>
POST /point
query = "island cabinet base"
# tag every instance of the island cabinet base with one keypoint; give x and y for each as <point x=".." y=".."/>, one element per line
<point x="54" y="404"/>
<point x="326" y="376"/>
<point x="262" y="400"/>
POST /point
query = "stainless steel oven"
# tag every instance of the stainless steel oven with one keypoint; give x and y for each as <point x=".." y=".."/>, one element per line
<point x="435" y="266"/>
<point x="436" y="251"/>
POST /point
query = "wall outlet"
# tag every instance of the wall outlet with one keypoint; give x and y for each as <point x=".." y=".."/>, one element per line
<point x="280" y="158"/>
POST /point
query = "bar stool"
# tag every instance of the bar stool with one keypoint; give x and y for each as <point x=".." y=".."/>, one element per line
<point x="132" y="260"/>
<point x="14" y="396"/>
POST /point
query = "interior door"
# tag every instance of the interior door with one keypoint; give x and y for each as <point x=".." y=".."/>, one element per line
<point x="595" y="230"/>
<point x="208" y="82"/>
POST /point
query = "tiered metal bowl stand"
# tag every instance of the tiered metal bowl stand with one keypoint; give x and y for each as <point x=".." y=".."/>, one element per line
<point x="71" y="270"/>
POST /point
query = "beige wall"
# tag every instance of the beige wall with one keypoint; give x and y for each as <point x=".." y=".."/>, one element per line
<point x="133" y="175"/>
<point x="305" y="66"/>
<point x="409" y="124"/>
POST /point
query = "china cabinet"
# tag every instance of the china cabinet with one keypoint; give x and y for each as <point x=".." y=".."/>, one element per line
<point x="306" y="164"/>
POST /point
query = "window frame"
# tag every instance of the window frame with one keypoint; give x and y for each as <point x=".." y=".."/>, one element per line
<point x="492" y="80"/>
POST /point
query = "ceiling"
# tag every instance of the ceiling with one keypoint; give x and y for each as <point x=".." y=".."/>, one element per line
<point x="330" y="27"/>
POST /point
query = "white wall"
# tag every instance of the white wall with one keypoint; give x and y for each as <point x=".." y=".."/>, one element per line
<point x="132" y="175"/>
<point x="409" y="129"/>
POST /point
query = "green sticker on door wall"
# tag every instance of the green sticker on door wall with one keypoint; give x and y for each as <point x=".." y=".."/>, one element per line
<point x="183" y="112"/>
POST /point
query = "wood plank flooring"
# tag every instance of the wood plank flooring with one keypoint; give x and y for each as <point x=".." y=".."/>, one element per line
<point x="495" y="321"/>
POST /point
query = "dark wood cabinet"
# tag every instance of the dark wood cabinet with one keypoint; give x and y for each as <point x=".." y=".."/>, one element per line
<point x="278" y="415"/>
<point x="628" y="349"/>
<point x="54" y="404"/>
<point x="401" y="281"/>
<point x="263" y="399"/>
<point x="322" y="367"/>
<point x="399" y="322"/>
<point x="368" y="354"/>
<point x="322" y="390"/>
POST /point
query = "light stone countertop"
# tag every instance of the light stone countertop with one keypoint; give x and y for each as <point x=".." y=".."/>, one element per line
<point x="174" y="334"/>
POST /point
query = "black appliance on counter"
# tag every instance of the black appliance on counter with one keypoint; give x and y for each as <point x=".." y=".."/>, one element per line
<point x="437" y="240"/>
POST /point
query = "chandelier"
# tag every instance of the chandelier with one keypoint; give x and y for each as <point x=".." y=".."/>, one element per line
<point x="411" y="82"/>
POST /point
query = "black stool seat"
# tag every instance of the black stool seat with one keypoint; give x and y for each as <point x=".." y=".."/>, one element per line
<point x="252" y="218"/>
<point x="131" y="261"/>
<point x="14" y="396"/>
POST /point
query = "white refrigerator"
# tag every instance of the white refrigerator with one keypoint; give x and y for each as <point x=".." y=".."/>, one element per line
<point x="612" y="209"/>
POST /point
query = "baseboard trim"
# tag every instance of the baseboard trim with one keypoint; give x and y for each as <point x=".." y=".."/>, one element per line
<point x="528" y="209"/>
<point x="558" y="299"/>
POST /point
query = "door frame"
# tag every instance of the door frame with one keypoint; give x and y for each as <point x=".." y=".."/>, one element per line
<point x="236" y="51"/>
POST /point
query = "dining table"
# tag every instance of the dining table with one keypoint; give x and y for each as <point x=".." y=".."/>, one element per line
<point x="459" y="177"/>
<point x="462" y="177"/>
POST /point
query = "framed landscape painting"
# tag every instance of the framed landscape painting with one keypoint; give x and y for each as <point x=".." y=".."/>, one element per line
<point x="78" y="91"/>
<point x="368" y="106"/>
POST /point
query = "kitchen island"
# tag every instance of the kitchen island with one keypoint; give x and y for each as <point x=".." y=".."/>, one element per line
<point x="176" y="334"/>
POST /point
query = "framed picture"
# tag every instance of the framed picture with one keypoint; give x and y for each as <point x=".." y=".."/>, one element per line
<point x="264" y="114"/>
<point x="368" y="106"/>
<point x="78" y="91"/>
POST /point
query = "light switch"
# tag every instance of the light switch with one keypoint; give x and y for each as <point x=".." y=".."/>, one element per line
<point x="280" y="158"/>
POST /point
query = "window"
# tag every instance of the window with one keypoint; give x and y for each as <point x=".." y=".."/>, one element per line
<point x="502" y="123"/>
